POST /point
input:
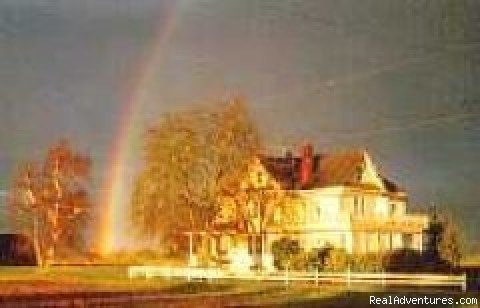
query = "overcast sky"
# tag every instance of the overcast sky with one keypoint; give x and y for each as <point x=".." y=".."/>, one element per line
<point x="396" y="77"/>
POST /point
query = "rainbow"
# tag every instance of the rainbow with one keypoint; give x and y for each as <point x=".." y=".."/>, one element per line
<point x="113" y="188"/>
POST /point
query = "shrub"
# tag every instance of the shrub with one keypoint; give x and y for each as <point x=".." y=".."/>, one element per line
<point x="336" y="260"/>
<point x="369" y="262"/>
<point x="285" y="250"/>
<point x="328" y="258"/>
<point x="407" y="260"/>
<point x="300" y="261"/>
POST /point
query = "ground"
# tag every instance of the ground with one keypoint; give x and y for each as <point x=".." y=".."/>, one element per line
<point x="109" y="284"/>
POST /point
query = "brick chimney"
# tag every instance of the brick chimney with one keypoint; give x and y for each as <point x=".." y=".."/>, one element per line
<point x="306" y="165"/>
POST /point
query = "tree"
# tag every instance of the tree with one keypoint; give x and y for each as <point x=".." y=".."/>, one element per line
<point x="49" y="201"/>
<point x="445" y="239"/>
<point x="192" y="158"/>
<point x="252" y="204"/>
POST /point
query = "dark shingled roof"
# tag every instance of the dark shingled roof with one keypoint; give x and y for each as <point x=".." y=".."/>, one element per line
<point x="338" y="168"/>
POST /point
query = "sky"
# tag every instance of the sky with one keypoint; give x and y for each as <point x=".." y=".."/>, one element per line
<point x="398" y="78"/>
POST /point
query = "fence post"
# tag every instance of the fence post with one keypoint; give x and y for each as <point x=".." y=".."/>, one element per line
<point x="464" y="282"/>
<point x="348" y="277"/>
<point x="286" y="276"/>
<point x="190" y="255"/>
<point x="209" y="275"/>
<point x="384" y="281"/>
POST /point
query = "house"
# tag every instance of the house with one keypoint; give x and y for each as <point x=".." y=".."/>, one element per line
<point x="16" y="249"/>
<point x="338" y="199"/>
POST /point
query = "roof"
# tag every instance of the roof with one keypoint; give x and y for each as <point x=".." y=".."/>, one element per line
<point x="330" y="169"/>
<point x="342" y="168"/>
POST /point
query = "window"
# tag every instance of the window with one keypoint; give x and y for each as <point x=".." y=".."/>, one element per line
<point x="393" y="209"/>
<point x="259" y="177"/>
<point x="320" y="242"/>
<point x="363" y="206"/>
<point x="225" y="243"/>
<point x="343" y="240"/>
<point x="358" y="205"/>
<point x="355" y="205"/>
<point x="407" y="241"/>
<point x="319" y="212"/>
<point x="277" y="215"/>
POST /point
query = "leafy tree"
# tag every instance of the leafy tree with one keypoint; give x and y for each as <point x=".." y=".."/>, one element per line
<point x="445" y="242"/>
<point x="249" y="207"/>
<point x="192" y="159"/>
<point x="49" y="201"/>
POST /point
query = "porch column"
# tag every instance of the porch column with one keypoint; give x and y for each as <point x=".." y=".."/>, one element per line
<point x="420" y="241"/>
<point x="263" y="247"/>
<point x="190" y="248"/>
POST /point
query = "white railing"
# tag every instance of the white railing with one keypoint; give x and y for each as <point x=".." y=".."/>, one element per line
<point x="347" y="277"/>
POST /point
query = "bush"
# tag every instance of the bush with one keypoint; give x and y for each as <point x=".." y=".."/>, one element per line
<point x="285" y="252"/>
<point x="300" y="261"/>
<point x="288" y="252"/>
<point x="369" y="262"/>
<point x="336" y="260"/>
<point x="403" y="260"/>
<point x="328" y="258"/>
<point x="406" y="260"/>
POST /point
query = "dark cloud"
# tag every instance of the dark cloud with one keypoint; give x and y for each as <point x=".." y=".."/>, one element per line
<point x="396" y="77"/>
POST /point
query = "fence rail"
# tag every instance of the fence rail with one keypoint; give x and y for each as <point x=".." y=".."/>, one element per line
<point x="349" y="278"/>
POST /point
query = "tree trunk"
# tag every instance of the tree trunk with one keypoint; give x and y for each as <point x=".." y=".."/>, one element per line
<point x="53" y="221"/>
<point x="36" y="244"/>
<point x="192" y="220"/>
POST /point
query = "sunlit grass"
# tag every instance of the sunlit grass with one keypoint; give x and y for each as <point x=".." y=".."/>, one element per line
<point x="74" y="278"/>
<point x="471" y="260"/>
<point x="59" y="279"/>
<point x="65" y="279"/>
<point x="109" y="278"/>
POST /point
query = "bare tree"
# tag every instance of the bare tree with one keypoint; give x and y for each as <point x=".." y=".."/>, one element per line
<point x="49" y="201"/>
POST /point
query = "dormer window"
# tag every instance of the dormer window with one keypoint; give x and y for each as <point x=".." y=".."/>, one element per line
<point x="259" y="177"/>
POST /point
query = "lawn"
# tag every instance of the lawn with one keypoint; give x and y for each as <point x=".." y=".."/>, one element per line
<point x="60" y="280"/>
<point x="19" y="280"/>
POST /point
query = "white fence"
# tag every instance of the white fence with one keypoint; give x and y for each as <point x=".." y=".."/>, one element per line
<point x="348" y="278"/>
